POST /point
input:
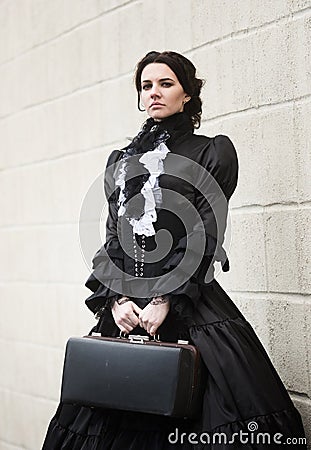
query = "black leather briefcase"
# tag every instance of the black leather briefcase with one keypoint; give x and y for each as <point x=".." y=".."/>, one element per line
<point x="134" y="375"/>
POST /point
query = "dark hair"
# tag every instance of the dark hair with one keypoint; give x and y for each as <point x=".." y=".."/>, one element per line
<point x="185" y="71"/>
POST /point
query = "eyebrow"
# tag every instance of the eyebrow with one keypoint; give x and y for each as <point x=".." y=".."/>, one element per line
<point x="162" y="79"/>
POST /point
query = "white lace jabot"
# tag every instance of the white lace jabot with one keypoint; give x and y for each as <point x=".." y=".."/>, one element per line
<point x="151" y="191"/>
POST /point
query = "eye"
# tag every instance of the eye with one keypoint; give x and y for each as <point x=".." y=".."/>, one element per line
<point x="166" y="84"/>
<point x="147" y="86"/>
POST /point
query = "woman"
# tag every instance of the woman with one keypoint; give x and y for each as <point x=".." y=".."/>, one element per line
<point x="168" y="194"/>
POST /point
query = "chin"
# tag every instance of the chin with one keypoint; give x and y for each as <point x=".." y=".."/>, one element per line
<point x="157" y="115"/>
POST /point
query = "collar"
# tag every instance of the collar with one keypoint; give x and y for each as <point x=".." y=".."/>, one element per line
<point x="154" y="132"/>
<point x="175" y="125"/>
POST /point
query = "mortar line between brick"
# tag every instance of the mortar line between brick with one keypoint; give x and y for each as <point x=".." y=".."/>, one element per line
<point x="43" y="283"/>
<point x="307" y="348"/>
<point x="23" y="394"/>
<point x="67" y="94"/>
<point x="298" y="297"/>
<point x="69" y="31"/>
<point x="252" y="30"/>
<point x="300" y="395"/>
<point x="13" y="446"/>
<point x="260" y="108"/>
<point x="267" y="278"/>
<point x="272" y="207"/>
<point x="26" y="343"/>
<point x="64" y="156"/>
<point x="26" y="226"/>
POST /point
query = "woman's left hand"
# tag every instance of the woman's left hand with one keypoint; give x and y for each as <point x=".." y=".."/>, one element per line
<point x="153" y="315"/>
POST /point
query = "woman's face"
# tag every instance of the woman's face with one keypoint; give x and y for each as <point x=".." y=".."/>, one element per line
<point x="161" y="93"/>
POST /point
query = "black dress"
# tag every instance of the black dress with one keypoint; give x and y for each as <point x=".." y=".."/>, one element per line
<point x="243" y="392"/>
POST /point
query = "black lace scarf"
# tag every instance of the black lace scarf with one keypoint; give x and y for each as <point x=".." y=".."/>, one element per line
<point x="152" y="134"/>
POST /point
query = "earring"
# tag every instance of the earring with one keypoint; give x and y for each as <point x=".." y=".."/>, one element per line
<point x="141" y="107"/>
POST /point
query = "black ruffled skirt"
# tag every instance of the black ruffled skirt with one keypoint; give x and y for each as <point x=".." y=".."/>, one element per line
<point x="246" y="405"/>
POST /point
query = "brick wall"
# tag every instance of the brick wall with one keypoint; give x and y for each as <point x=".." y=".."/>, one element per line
<point x="67" y="99"/>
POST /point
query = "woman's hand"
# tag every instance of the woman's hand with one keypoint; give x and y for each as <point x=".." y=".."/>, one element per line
<point x="125" y="314"/>
<point x="153" y="315"/>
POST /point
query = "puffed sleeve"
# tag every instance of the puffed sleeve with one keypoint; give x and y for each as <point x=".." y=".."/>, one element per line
<point x="215" y="184"/>
<point x="106" y="280"/>
<point x="214" y="193"/>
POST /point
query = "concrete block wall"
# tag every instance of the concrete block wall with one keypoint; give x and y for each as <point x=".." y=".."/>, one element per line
<point x="67" y="99"/>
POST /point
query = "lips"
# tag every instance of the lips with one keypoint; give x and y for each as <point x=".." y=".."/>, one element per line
<point x="156" y="104"/>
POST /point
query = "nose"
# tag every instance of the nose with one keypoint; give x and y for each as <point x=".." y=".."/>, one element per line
<point x="154" y="92"/>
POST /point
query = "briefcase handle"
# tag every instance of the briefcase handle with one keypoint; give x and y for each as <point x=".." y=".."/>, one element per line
<point x="140" y="339"/>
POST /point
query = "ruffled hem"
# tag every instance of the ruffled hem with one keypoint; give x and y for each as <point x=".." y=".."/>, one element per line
<point x="103" y="295"/>
<point x="91" y="429"/>
<point x="230" y="346"/>
<point x="83" y="428"/>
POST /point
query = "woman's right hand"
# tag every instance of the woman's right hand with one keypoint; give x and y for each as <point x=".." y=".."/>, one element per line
<point x="125" y="314"/>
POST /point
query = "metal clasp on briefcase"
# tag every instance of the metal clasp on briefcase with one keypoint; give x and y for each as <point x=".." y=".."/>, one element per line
<point x="138" y="338"/>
